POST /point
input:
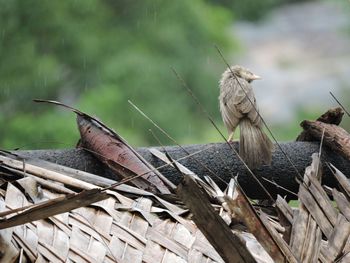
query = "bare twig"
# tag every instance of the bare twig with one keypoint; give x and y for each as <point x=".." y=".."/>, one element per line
<point x="320" y="151"/>
<point x="172" y="139"/>
<point x="339" y="103"/>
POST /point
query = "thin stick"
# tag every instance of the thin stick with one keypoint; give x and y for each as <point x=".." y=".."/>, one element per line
<point x="177" y="165"/>
<point x="218" y="130"/>
<point x="167" y="182"/>
<point x="172" y="139"/>
<point x="46" y="183"/>
<point x="339" y="103"/>
<point x="320" y="151"/>
<point x="171" y="160"/>
<point x="262" y="119"/>
<point x="45" y="173"/>
<point x="159" y="167"/>
<point x="279" y="186"/>
<point x="128" y="179"/>
<point x="166" y="153"/>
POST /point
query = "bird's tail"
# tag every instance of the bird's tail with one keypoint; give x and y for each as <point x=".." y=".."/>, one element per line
<point x="254" y="146"/>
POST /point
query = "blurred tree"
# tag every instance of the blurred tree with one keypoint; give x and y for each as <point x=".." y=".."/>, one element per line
<point x="252" y="10"/>
<point x="97" y="55"/>
<point x="249" y="9"/>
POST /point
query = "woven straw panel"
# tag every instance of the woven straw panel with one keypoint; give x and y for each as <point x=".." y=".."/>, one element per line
<point x="117" y="229"/>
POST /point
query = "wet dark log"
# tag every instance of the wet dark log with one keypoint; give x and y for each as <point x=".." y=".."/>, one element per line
<point x="221" y="160"/>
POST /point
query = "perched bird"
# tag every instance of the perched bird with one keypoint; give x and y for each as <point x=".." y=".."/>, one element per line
<point x="255" y="147"/>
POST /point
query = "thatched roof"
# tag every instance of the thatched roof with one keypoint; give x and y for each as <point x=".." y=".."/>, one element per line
<point x="52" y="213"/>
<point x="118" y="229"/>
<point x="133" y="225"/>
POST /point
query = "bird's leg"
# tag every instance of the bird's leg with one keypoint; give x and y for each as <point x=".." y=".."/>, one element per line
<point x="230" y="137"/>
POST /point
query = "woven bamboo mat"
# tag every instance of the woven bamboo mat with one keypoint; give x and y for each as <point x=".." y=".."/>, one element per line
<point x="118" y="229"/>
<point x="133" y="225"/>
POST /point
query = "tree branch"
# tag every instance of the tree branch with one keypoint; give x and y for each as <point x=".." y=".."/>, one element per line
<point x="221" y="160"/>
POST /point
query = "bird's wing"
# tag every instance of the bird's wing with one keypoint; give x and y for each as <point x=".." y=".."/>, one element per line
<point x="242" y="102"/>
<point x="244" y="98"/>
<point x="229" y="117"/>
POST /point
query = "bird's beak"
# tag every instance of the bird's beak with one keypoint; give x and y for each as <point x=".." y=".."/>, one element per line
<point x="254" y="77"/>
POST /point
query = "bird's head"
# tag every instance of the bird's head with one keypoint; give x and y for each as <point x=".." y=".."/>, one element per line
<point x="243" y="73"/>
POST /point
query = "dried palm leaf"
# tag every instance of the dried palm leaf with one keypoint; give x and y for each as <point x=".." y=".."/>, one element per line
<point x="117" y="229"/>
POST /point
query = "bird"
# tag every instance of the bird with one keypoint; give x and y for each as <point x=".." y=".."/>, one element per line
<point x="238" y="107"/>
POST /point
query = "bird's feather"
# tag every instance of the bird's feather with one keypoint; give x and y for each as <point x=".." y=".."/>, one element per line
<point x="238" y="107"/>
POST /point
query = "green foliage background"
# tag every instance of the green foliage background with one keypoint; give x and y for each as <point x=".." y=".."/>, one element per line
<point x="98" y="54"/>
